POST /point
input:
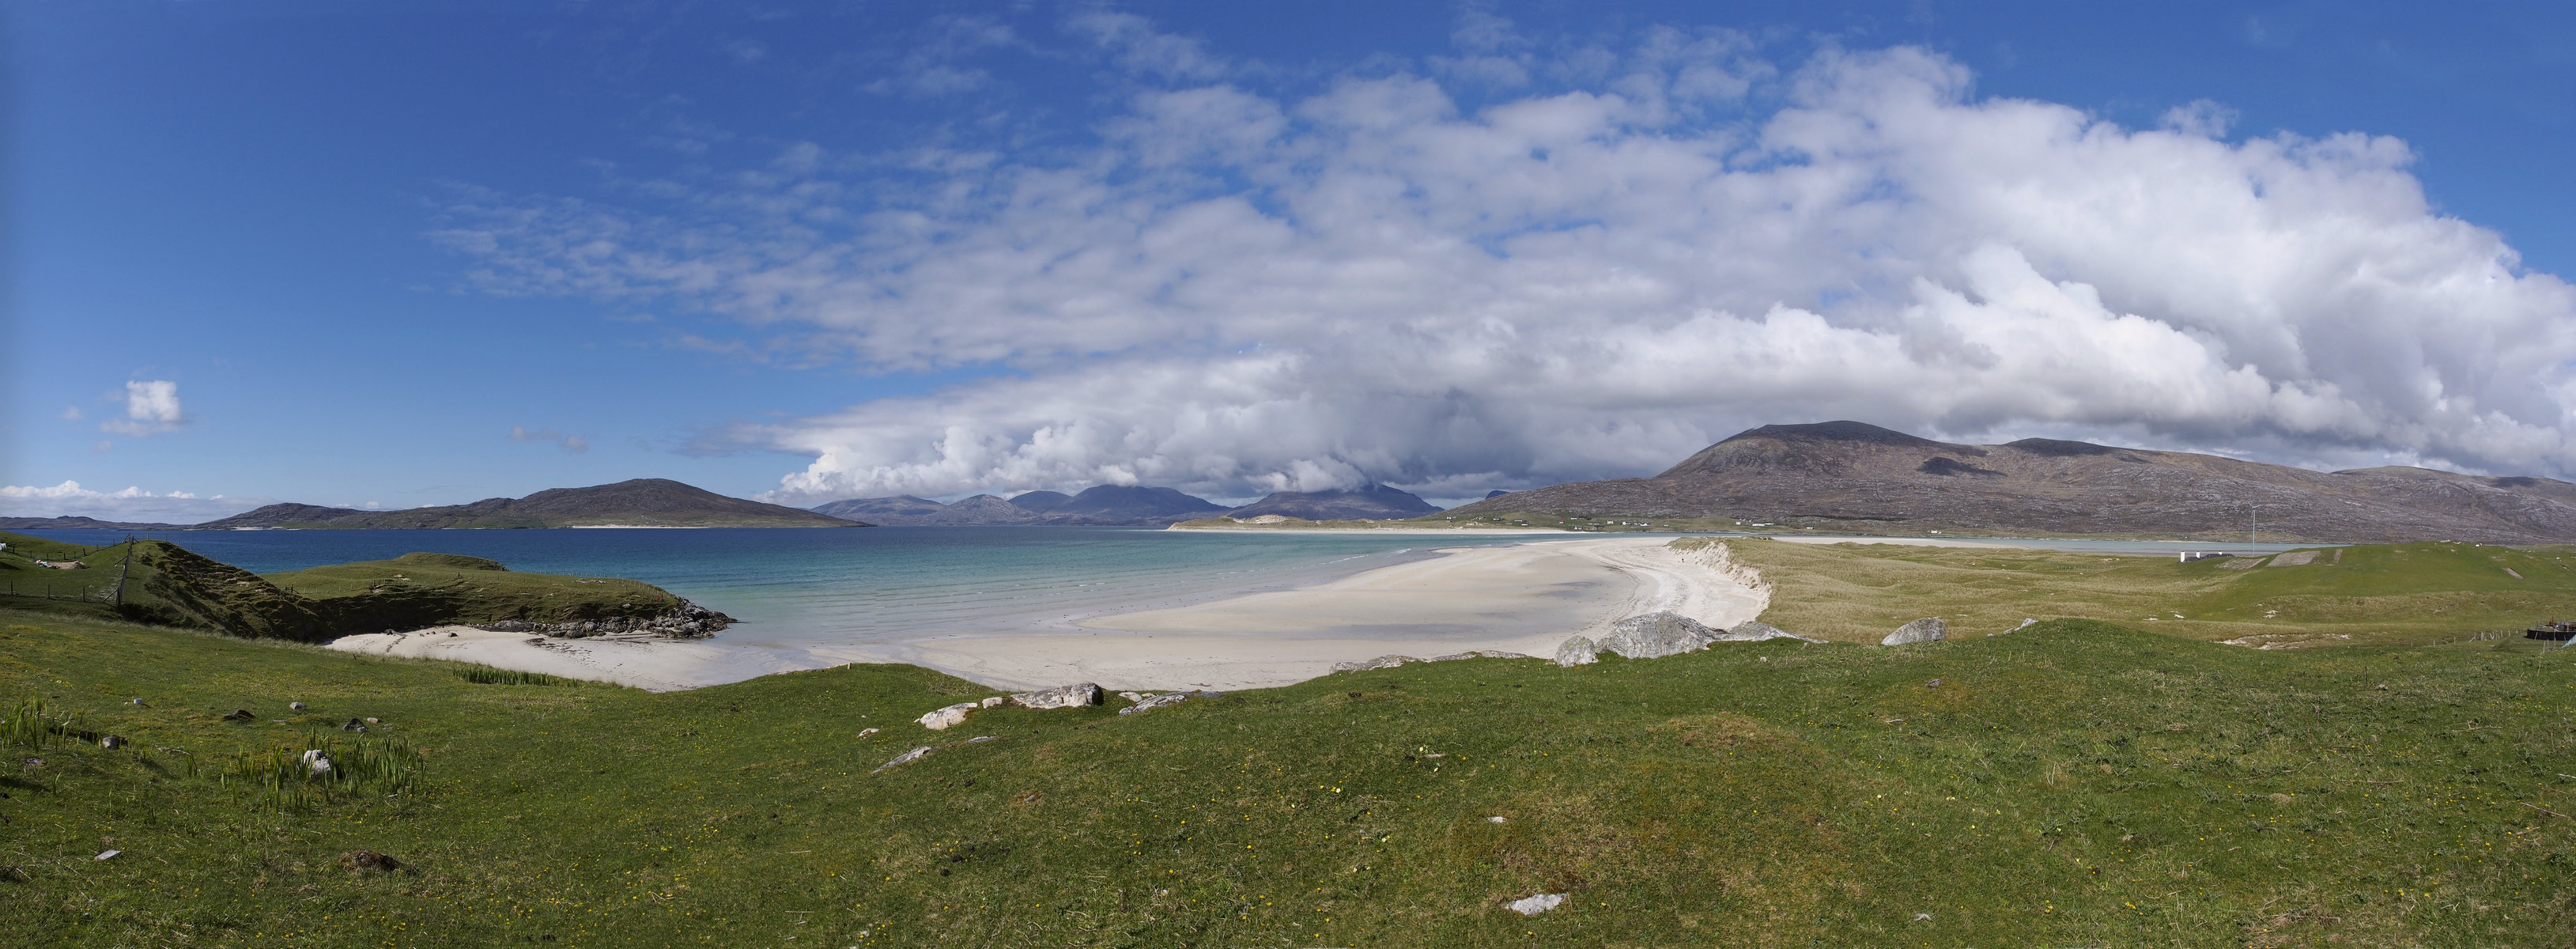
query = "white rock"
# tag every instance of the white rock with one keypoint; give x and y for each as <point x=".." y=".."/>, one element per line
<point x="865" y="732"/>
<point x="1063" y="696"/>
<point x="1577" y="651"/>
<point x="1925" y="630"/>
<point x="1754" y="631"/>
<point x="295" y="706"/>
<point x="905" y="758"/>
<point x="1493" y="820"/>
<point x="1381" y="662"/>
<point x="991" y="702"/>
<point x="943" y="719"/>
<point x="107" y="855"/>
<point x="1534" y="905"/>
<point x="1131" y="696"/>
<point x="1167" y="698"/>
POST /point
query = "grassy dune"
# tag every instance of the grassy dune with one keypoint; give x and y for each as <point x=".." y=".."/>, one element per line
<point x="2077" y="783"/>
<point x="2378" y="594"/>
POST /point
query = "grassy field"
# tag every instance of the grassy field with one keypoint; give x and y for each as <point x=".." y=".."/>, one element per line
<point x="2077" y="783"/>
<point x="2378" y="594"/>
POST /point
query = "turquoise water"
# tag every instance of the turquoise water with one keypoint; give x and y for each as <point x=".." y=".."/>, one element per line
<point x="812" y="586"/>
<point x="804" y="587"/>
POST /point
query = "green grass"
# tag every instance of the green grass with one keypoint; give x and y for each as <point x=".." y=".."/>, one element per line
<point x="2383" y="594"/>
<point x="2076" y="783"/>
<point x="456" y="588"/>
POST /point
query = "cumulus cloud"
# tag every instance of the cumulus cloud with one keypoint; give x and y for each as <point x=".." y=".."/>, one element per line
<point x="151" y="407"/>
<point x="571" y="443"/>
<point x="130" y="504"/>
<point x="1238" y="289"/>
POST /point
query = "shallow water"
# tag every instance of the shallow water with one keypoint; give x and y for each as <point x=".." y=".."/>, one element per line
<point x="812" y="586"/>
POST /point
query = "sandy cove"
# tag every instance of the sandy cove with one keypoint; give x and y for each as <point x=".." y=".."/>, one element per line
<point x="1525" y="598"/>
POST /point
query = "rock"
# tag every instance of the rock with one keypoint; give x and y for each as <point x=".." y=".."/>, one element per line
<point x="1167" y="698"/>
<point x="1381" y="662"/>
<point x="353" y="725"/>
<point x="369" y="860"/>
<point x="943" y="719"/>
<point x="112" y="742"/>
<point x="1656" y="635"/>
<point x="295" y="706"/>
<point x="315" y="764"/>
<point x="1131" y="696"/>
<point x="1493" y="820"/>
<point x="905" y="758"/>
<point x="1577" y="652"/>
<point x="240" y="715"/>
<point x="865" y="732"/>
<point x="107" y="855"/>
<point x="371" y="720"/>
<point x="1534" y="905"/>
<point x="980" y="739"/>
<point x="134" y="702"/>
<point x="1063" y="696"/>
<point x="1478" y="654"/>
<point x="1754" y="631"/>
<point x="1925" y="630"/>
<point x="991" y="702"/>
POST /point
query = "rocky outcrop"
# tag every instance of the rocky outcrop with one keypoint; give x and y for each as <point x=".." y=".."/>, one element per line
<point x="1656" y="635"/>
<point x="685" y="621"/>
<point x="1578" y="651"/>
<point x="1147" y="703"/>
<point x="946" y="717"/>
<point x="1063" y="696"/>
<point x="1925" y="630"/>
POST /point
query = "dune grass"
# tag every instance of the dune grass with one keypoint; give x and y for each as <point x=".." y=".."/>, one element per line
<point x="2389" y="594"/>
<point x="2077" y="783"/>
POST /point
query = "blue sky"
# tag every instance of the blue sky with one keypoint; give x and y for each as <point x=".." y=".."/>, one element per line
<point x="429" y="253"/>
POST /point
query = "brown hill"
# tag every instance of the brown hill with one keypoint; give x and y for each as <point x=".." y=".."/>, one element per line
<point x="643" y="502"/>
<point x="1858" y="478"/>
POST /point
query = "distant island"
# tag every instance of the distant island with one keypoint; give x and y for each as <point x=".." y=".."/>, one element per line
<point x="642" y="502"/>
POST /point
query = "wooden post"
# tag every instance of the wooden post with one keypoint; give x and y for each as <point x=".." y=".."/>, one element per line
<point x="120" y="571"/>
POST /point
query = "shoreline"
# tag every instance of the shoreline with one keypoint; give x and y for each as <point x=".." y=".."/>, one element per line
<point x="1524" y="598"/>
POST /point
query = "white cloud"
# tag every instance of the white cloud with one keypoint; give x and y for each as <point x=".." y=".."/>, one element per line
<point x="130" y="504"/>
<point x="1238" y="289"/>
<point x="72" y="414"/>
<point x="571" y="443"/>
<point x="151" y="407"/>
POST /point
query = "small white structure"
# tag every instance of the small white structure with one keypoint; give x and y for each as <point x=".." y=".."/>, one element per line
<point x="2191" y="555"/>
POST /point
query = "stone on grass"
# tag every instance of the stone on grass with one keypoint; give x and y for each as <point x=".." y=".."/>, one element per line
<point x="1534" y="905"/>
<point x="295" y="706"/>
<point x="1754" y="631"/>
<point x="1656" y="635"/>
<point x="942" y="719"/>
<point x="1168" y="698"/>
<point x="865" y="732"/>
<point x="1381" y="662"/>
<point x="107" y="855"/>
<point x="905" y="758"/>
<point x="111" y="742"/>
<point x="991" y="702"/>
<point x="1925" y="630"/>
<point x="1580" y="650"/>
<point x="1063" y="696"/>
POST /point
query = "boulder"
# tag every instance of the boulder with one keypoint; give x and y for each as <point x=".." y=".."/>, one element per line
<point x="1925" y="630"/>
<point x="1580" y="650"/>
<point x="993" y="702"/>
<point x="1656" y="635"/>
<point x="942" y="719"/>
<point x="1063" y="696"/>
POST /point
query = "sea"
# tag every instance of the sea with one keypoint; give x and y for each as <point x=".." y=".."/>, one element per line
<point x="796" y="587"/>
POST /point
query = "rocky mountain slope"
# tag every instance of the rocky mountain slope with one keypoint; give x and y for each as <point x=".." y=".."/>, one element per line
<point x="1106" y="504"/>
<point x="643" y="502"/>
<point x="1373" y="502"/>
<point x="1859" y="478"/>
<point x="69" y="523"/>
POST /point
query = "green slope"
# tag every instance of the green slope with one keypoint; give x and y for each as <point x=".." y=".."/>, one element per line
<point x="2073" y="784"/>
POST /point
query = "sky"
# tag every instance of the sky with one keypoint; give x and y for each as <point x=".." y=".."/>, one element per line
<point x="401" y="254"/>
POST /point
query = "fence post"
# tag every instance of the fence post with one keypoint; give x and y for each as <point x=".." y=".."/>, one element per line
<point x="120" y="571"/>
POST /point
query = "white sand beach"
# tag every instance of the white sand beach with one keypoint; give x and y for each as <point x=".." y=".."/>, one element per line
<point x="1525" y="598"/>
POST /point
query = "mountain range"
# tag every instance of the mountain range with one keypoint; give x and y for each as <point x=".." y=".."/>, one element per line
<point x="643" y="502"/>
<point x="1851" y="476"/>
<point x="1123" y="504"/>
